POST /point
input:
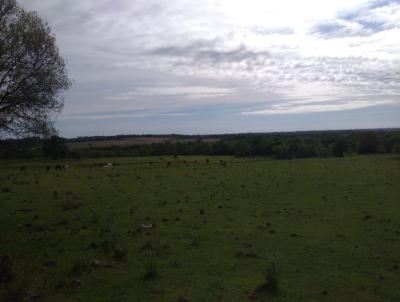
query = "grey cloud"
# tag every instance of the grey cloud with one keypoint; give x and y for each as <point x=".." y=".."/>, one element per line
<point x="206" y="51"/>
<point x="362" y="21"/>
<point x="335" y="29"/>
<point x="239" y="54"/>
<point x="339" y="29"/>
<point x="118" y="114"/>
<point x="120" y="50"/>
<point x="376" y="4"/>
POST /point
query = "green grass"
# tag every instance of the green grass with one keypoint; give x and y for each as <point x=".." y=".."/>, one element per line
<point x="331" y="226"/>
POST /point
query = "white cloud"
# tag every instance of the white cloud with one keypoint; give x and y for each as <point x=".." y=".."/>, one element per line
<point x="187" y="92"/>
<point x="291" y="108"/>
<point x="114" y="115"/>
<point x="326" y="55"/>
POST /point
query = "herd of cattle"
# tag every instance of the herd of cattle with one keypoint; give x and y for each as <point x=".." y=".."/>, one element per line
<point x="48" y="167"/>
<point x="63" y="167"/>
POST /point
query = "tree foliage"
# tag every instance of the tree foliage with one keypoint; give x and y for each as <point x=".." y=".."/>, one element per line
<point x="278" y="145"/>
<point x="369" y="143"/>
<point x="339" y="147"/>
<point x="55" y="147"/>
<point x="32" y="73"/>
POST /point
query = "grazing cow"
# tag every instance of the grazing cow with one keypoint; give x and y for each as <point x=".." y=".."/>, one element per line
<point x="22" y="169"/>
<point x="65" y="166"/>
<point x="58" y="167"/>
<point x="48" y="168"/>
<point x="222" y="163"/>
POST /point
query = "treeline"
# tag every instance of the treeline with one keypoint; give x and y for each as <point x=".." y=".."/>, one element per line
<point x="34" y="147"/>
<point x="278" y="145"/>
<point x="131" y="136"/>
<point x="282" y="146"/>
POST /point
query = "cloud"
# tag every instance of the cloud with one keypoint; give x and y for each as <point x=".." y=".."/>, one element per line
<point x="292" y="108"/>
<point x="187" y="92"/>
<point x="119" y="115"/>
<point x="203" y="52"/>
<point x="182" y="55"/>
<point x="366" y="20"/>
<point x="342" y="28"/>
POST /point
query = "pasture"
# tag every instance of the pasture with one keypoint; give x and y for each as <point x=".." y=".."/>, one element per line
<point x="184" y="229"/>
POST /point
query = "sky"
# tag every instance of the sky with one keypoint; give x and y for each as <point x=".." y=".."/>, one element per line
<point x="226" y="66"/>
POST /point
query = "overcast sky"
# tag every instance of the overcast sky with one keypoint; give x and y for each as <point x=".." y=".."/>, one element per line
<point x="222" y="66"/>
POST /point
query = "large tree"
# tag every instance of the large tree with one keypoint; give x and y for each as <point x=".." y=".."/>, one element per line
<point x="32" y="73"/>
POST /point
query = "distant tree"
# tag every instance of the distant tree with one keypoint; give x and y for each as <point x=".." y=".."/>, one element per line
<point x="314" y="147"/>
<point x="281" y="151"/>
<point x="298" y="149"/>
<point x="20" y="148"/>
<point x="395" y="148"/>
<point x="221" y="148"/>
<point x="369" y="143"/>
<point x="339" y="147"/>
<point x="242" y="149"/>
<point x="55" y="147"/>
<point x="32" y="73"/>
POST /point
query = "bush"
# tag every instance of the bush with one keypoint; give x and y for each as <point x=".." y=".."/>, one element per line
<point x="120" y="255"/>
<point x="19" y="291"/>
<point x="271" y="280"/>
<point x="55" y="147"/>
<point x="150" y="266"/>
<point x="79" y="267"/>
<point x="6" y="190"/>
<point x="6" y="271"/>
<point x="109" y="242"/>
<point x="71" y="204"/>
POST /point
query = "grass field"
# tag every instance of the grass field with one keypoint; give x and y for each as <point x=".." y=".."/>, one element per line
<point x="146" y="230"/>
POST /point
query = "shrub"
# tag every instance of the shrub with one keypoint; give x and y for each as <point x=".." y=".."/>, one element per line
<point x="6" y="271"/>
<point x="79" y="267"/>
<point x="120" y="255"/>
<point x="150" y="266"/>
<point x="19" y="291"/>
<point x="71" y="204"/>
<point x="194" y="239"/>
<point x="272" y="278"/>
<point x="182" y="299"/>
<point x="109" y="243"/>
<point x="271" y="281"/>
<point x="6" y="190"/>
